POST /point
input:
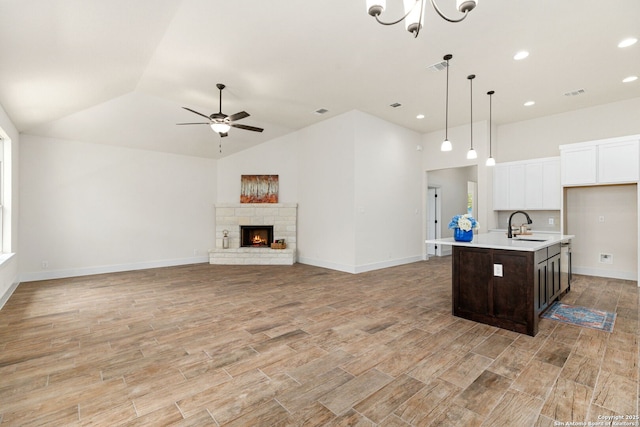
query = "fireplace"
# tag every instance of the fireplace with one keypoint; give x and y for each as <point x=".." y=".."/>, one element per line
<point x="252" y="236"/>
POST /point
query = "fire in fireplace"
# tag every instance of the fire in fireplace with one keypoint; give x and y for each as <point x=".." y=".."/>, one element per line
<point x="256" y="235"/>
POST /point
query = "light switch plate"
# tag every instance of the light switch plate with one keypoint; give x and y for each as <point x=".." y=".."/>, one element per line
<point x="497" y="270"/>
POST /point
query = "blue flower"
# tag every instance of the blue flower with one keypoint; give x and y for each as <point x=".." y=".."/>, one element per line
<point x="464" y="222"/>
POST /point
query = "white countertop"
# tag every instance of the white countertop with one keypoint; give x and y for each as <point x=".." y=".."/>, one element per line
<point x="499" y="240"/>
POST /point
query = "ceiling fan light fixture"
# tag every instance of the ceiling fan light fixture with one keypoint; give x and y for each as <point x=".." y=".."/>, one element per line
<point x="220" y="127"/>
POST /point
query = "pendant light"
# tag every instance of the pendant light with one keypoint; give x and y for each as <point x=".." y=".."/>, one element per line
<point x="471" y="154"/>
<point x="490" y="161"/>
<point x="446" y="144"/>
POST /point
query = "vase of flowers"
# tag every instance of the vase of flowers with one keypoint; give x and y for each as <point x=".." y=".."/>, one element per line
<point x="463" y="226"/>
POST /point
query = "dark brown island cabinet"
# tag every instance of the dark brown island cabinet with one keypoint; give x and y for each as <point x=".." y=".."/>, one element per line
<point x="507" y="288"/>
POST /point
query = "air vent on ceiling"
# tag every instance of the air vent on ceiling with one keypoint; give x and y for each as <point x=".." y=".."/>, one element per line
<point x="438" y="66"/>
<point x="395" y="105"/>
<point x="574" y="92"/>
<point x="321" y="111"/>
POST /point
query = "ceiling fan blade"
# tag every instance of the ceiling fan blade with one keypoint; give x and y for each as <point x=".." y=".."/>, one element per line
<point x="245" y="127"/>
<point x="238" y="116"/>
<point x="200" y="123"/>
<point x="195" y="112"/>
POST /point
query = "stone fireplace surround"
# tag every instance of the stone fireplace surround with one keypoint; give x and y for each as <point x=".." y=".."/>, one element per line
<point x="230" y="216"/>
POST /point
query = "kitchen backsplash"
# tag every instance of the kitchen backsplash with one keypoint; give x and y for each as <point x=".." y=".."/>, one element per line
<point x="540" y="220"/>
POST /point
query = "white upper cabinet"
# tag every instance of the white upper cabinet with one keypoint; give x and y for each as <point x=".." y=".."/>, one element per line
<point x="609" y="161"/>
<point x="531" y="184"/>
<point x="578" y="165"/>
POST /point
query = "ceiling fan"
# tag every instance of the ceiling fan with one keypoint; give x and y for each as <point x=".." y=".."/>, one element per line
<point x="220" y="122"/>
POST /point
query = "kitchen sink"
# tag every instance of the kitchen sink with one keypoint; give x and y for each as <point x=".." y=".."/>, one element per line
<point x="530" y="239"/>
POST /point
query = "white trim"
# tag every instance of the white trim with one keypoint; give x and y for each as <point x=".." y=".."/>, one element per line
<point x="7" y="295"/>
<point x="87" y="271"/>
<point x="612" y="274"/>
<point x="360" y="268"/>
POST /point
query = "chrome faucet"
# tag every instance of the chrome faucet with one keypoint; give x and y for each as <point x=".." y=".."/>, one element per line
<point x="509" y="233"/>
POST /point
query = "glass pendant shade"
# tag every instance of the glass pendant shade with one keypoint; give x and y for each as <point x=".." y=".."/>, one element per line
<point x="220" y="127"/>
<point x="376" y="7"/>
<point x="413" y="21"/>
<point x="491" y="161"/>
<point x="471" y="154"/>
<point x="446" y="145"/>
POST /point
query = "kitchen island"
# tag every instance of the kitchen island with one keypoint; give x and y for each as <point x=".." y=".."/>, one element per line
<point x="506" y="282"/>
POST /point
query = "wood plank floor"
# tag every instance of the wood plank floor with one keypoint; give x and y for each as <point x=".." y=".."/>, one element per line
<point x="299" y="345"/>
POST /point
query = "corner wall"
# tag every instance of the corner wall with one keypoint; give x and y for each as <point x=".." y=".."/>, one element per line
<point x="357" y="182"/>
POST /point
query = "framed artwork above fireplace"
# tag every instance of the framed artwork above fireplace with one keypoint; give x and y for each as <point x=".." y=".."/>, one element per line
<point x="259" y="189"/>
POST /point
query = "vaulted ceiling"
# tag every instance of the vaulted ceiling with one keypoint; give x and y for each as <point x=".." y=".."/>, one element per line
<point x="119" y="71"/>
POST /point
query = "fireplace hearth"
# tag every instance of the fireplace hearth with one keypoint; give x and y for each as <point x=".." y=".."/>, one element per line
<point x="256" y="236"/>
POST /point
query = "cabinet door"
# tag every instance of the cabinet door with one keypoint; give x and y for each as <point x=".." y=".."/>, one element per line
<point x="472" y="276"/>
<point x="618" y="162"/>
<point x="501" y="188"/>
<point x="578" y="165"/>
<point x="534" y="186"/>
<point x="541" y="296"/>
<point x="551" y="185"/>
<point x="510" y="293"/>
<point x="554" y="284"/>
<point x="517" y="186"/>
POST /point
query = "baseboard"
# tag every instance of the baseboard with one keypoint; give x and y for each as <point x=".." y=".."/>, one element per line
<point x="8" y="293"/>
<point x="87" y="271"/>
<point x="623" y="275"/>
<point x="387" y="264"/>
<point x="325" y="264"/>
<point x="359" y="268"/>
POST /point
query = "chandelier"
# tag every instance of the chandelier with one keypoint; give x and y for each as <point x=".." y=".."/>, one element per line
<point x="413" y="12"/>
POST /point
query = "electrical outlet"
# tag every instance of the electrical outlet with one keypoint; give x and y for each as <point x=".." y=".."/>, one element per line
<point x="45" y="264"/>
<point x="497" y="270"/>
<point x="601" y="218"/>
<point x="606" y="258"/>
<point x="551" y="221"/>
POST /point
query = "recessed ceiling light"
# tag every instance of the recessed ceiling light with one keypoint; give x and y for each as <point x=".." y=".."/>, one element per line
<point x="520" y="55"/>
<point x="529" y="103"/>
<point x="629" y="79"/>
<point x="420" y="116"/>
<point x="628" y="42"/>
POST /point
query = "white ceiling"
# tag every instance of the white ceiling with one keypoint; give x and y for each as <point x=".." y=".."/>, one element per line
<point x="119" y="71"/>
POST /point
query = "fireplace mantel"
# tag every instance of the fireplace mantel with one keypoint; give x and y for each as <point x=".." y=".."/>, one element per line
<point x="230" y="216"/>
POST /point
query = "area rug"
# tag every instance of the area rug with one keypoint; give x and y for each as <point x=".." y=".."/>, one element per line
<point x="581" y="316"/>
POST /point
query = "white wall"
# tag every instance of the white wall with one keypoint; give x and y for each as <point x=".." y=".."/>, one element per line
<point x="9" y="262"/>
<point x="616" y="235"/>
<point x="326" y="194"/>
<point x="354" y="176"/>
<point x="388" y="194"/>
<point x="541" y="137"/>
<point x="91" y="208"/>
<point x="276" y="157"/>
<point x="460" y="137"/>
